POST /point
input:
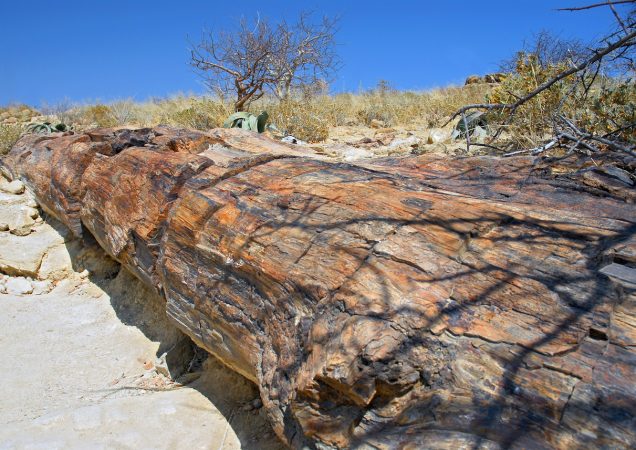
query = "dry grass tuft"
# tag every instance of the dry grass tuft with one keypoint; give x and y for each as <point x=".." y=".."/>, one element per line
<point x="9" y="135"/>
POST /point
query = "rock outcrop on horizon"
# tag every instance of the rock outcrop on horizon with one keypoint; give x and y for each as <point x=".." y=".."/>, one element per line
<point x="423" y="301"/>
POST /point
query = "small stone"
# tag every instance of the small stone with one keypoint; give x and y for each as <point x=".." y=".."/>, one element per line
<point x="41" y="287"/>
<point x="406" y="143"/>
<point x="56" y="263"/>
<point x="473" y="79"/>
<point x="22" y="231"/>
<point x="14" y="187"/>
<point x="39" y="220"/>
<point x="19" y="286"/>
<point x="437" y="135"/>
<point x="32" y="212"/>
<point x="4" y="227"/>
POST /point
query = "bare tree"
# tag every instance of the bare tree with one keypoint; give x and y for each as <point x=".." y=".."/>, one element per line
<point x="260" y="57"/>
<point x="548" y="49"/>
<point x="237" y="61"/>
<point x="306" y="54"/>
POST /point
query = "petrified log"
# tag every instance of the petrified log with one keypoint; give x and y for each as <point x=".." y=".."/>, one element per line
<point x="417" y="302"/>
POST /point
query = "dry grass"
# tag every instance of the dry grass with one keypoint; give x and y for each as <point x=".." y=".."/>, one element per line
<point x="313" y="117"/>
<point x="308" y="118"/>
<point x="9" y="135"/>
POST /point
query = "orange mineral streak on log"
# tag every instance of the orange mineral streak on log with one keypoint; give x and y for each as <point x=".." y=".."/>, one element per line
<point x="415" y="302"/>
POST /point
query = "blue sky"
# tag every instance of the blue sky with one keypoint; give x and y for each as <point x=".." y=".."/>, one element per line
<point x="104" y="50"/>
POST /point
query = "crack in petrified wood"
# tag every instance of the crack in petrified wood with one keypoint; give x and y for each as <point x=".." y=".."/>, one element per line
<point x="423" y="302"/>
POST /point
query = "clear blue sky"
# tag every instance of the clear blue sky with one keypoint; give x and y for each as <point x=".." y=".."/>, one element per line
<point x="104" y="50"/>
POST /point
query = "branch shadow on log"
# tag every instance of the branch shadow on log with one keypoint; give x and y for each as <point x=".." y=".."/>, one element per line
<point x="504" y="416"/>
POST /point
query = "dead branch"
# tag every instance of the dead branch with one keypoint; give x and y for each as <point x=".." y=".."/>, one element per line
<point x="536" y="150"/>
<point x="598" y="55"/>
<point x="597" y="5"/>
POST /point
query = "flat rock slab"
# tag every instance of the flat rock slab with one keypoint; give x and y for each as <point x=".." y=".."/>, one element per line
<point x="68" y="383"/>
<point x="25" y="255"/>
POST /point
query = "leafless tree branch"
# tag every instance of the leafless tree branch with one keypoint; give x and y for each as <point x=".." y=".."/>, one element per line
<point x="266" y="57"/>
<point x="512" y="107"/>
<point x="597" y="5"/>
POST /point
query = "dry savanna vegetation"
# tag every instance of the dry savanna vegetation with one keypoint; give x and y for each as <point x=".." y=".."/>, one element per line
<point x="553" y="93"/>
<point x="309" y="117"/>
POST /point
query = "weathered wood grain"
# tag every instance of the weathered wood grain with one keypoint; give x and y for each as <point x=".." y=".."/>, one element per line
<point x="417" y="302"/>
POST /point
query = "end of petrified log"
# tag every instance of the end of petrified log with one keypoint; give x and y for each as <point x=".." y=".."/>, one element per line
<point x="417" y="302"/>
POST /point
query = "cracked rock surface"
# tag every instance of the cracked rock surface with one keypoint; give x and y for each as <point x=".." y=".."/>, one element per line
<point x="404" y="302"/>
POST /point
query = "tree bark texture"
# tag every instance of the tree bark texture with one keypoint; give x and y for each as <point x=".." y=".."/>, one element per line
<point x="420" y="302"/>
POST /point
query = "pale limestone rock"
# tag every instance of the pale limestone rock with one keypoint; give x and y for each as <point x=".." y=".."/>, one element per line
<point x="56" y="264"/>
<point x="436" y="135"/>
<point x="348" y="153"/>
<point x="19" y="286"/>
<point x="18" y="218"/>
<point x="31" y="203"/>
<point x="41" y="287"/>
<point x="22" y="231"/>
<point x="13" y="187"/>
<point x="406" y="143"/>
<point x="32" y="250"/>
<point x="32" y="212"/>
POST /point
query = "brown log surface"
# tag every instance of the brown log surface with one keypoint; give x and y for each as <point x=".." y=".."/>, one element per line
<point x="422" y="302"/>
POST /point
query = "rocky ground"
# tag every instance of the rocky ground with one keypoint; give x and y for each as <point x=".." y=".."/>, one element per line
<point x="85" y="353"/>
<point x="356" y="143"/>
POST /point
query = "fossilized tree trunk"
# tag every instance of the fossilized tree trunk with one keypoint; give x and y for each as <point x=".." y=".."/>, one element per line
<point x="420" y="301"/>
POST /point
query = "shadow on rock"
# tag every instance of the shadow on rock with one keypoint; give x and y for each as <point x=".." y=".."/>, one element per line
<point x="178" y="358"/>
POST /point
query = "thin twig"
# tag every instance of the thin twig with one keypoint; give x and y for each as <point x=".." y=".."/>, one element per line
<point x="597" y="5"/>
<point x="467" y="132"/>
<point x="536" y="150"/>
<point x="618" y="18"/>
